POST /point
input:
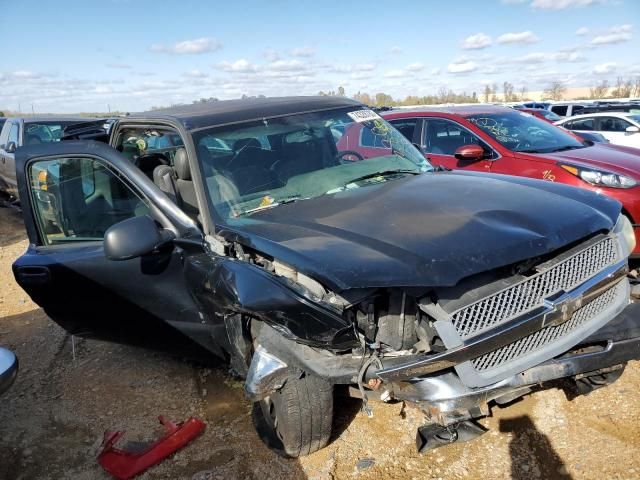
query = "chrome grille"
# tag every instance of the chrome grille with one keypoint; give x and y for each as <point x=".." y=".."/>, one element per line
<point x="549" y="334"/>
<point x="531" y="292"/>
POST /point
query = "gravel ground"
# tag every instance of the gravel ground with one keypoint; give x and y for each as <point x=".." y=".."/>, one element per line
<point x="53" y="419"/>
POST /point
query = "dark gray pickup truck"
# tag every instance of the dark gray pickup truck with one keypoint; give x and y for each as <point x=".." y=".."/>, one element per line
<point x="248" y="229"/>
<point x="20" y="131"/>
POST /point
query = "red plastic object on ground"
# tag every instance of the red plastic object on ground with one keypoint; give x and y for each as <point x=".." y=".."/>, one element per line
<point x="124" y="464"/>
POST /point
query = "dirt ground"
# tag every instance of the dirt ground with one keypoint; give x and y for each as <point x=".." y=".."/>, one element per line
<point x="53" y="419"/>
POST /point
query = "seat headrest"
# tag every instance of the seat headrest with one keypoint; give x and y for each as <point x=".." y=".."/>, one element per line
<point x="181" y="165"/>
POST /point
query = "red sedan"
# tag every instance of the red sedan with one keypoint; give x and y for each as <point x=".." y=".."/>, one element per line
<point x="495" y="139"/>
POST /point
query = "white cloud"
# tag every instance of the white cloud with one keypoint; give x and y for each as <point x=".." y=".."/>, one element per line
<point x="358" y="67"/>
<point x="286" y="65"/>
<point x="303" y="52"/>
<point x="571" y="56"/>
<point x="476" y="42"/>
<point x="240" y="65"/>
<point x="395" y="50"/>
<point x="394" y="73"/>
<point x="582" y="31"/>
<point x="462" y="66"/>
<point x="188" y="47"/>
<point x="195" y="74"/>
<point x="616" y="34"/>
<point x="121" y="66"/>
<point x="435" y="71"/>
<point x="25" y="75"/>
<point x="415" y="67"/>
<point x="518" y="37"/>
<point x="562" y="4"/>
<point x="605" y="68"/>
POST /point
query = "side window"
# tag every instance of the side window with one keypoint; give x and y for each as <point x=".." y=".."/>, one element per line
<point x="5" y="133"/>
<point x="443" y="137"/>
<point x="613" y="124"/>
<point x="78" y="199"/>
<point x="159" y="143"/>
<point x="582" y="124"/>
<point x="406" y="126"/>
<point x="369" y="139"/>
<point x="559" y="110"/>
<point x="13" y="133"/>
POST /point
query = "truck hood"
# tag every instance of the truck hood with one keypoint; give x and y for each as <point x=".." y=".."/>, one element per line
<point x="428" y="230"/>
<point x="605" y="156"/>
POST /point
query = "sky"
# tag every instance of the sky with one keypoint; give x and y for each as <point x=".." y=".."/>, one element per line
<point x="131" y="55"/>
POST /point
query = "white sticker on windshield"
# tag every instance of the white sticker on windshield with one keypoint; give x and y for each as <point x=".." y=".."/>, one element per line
<point x="364" y="115"/>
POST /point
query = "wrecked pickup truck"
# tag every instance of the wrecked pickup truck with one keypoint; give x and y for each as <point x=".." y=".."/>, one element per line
<point x="241" y="226"/>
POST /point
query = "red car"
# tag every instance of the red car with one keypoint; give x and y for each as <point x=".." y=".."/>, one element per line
<point x="502" y="140"/>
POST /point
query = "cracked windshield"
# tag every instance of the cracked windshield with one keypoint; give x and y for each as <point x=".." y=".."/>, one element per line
<point x="521" y="132"/>
<point x="264" y="164"/>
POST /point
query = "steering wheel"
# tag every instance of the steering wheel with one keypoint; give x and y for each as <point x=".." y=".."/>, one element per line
<point x="340" y="156"/>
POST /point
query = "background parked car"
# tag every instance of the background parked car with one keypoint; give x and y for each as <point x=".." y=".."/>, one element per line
<point x="514" y="143"/>
<point x="620" y="128"/>
<point x="551" y="117"/>
<point x="17" y="132"/>
<point x="566" y="109"/>
<point x="8" y="368"/>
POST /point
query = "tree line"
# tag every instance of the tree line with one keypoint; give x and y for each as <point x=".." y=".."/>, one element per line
<point x="507" y="92"/>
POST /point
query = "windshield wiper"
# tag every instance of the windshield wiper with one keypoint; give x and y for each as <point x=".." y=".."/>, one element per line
<point x="382" y="173"/>
<point x="565" y="148"/>
<point x="529" y="151"/>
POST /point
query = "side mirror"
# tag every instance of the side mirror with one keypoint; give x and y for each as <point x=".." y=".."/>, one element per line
<point x="632" y="129"/>
<point x="469" y="152"/>
<point x="133" y="238"/>
<point x="11" y="147"/>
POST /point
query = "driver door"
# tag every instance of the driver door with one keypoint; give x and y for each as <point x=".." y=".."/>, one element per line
<point x="72" y="192"/>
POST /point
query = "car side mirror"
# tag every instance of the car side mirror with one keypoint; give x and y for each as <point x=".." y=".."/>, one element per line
<point x="134" y="237"/>
<point x="11" y="147"/>
<point x="632" y="129"/>
<point x="471" y="153"/>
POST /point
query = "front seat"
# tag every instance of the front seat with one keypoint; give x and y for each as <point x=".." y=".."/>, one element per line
<point x="184" y="185"/>
<point x="165" y="178"/>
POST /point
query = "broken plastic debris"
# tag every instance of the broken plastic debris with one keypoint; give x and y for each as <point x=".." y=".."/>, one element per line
<point x="126" y="464"/>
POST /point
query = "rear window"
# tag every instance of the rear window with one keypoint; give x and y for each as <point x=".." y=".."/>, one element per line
<point x="44" y="132"/>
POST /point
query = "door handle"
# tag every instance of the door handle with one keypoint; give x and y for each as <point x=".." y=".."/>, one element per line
<point x="33" y="275"/>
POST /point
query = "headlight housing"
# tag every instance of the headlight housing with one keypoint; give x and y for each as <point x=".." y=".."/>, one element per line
<point x="625" y="233"/>
<point x="600" y="177"/>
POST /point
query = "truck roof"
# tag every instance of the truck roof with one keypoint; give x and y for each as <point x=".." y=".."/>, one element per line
<point x="224" y="112"/>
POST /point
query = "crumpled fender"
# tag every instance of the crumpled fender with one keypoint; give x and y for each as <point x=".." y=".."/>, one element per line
<point x="232" y="286"/>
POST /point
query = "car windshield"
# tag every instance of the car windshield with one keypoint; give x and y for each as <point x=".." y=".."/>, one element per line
<point x="549" y="115"/>
<point x="521" y="132"/>
<point x="635" y="118"/>
<point x="44" y="132"/>
<point x="257" y="165"/>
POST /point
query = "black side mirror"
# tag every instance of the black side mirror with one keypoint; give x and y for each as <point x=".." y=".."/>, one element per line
<point x="134" y="237"/>
<point x="11" y="147"/>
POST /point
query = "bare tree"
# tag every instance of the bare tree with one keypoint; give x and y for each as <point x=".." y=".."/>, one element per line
<point x="487" y="93"/>
<point x="636" y="86"/>
<point x="494" y="91"/>
<point x="507" y="89"/>
<point x="599" y="90"/>
<point x="523" y="93"/>
<point x="623" y="88"/>
<point x="555" y="91"/>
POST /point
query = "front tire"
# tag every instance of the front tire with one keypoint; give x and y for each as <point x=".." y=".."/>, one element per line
<point x="296" y="420"/>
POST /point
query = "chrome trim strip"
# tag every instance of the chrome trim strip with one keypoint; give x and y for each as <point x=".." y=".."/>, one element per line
<point x="556" y="311"/>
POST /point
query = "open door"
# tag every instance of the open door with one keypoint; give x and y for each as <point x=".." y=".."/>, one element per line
<point x="72" y="193"/>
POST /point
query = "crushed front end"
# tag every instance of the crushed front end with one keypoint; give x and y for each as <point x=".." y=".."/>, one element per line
<point x="493" y="337"/>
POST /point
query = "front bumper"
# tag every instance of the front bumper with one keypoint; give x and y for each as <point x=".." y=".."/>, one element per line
<point x="447" y="400"/>
<point x="8" y="368"/>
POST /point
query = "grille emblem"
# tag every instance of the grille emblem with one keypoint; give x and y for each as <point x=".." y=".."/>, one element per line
<point x="560" y="309"/>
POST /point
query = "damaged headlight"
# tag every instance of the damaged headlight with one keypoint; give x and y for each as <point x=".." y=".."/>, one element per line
<point x="625" y="233"/>
<point x="601" y="178"/>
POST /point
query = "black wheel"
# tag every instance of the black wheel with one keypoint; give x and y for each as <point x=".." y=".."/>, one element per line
<point x="348" y="156"/>
<point x="296" y="420"/>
